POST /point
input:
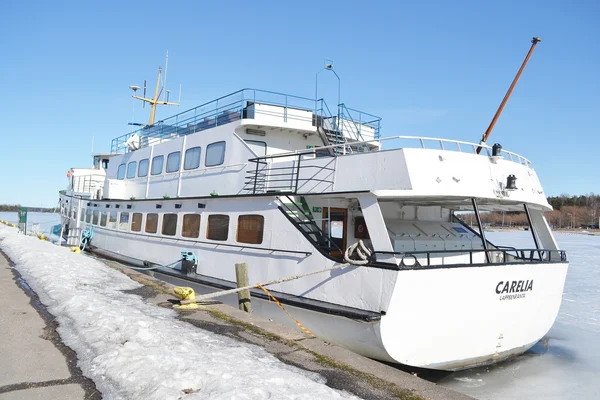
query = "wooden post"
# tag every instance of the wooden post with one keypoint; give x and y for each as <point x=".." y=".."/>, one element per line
<point x="241" y="277"/>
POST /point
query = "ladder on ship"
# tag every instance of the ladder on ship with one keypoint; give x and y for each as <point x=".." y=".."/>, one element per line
<point x="341" y="131"/>
<point x="296" y="209"/>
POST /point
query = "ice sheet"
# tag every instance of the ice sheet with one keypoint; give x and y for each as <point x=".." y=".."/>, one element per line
<point x="566" y="364"/>
<point x="133" y="350"/>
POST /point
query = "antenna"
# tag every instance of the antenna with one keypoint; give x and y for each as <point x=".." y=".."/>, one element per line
<point x="144" y="103"/>
<point x="179" y="101"/>
<point x="165" y="82"/>
<point x="154" y="101"/>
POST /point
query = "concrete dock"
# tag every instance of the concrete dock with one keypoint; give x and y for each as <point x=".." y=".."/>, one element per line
<point x="34" y="364"/>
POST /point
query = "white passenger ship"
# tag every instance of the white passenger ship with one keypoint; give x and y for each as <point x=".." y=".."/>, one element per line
<point x="280" y="183"/>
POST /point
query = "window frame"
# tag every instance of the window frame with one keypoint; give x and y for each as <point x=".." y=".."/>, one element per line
<point x="206" y="156"/>
<point x="147" y="163"/>
<point x="183" y="225"/>
<point x="208" y="228"/>
<point x="123" y="225"/>
<point x="103" y="218"/>
<point x="95" y="217"/>
<point x="162" y="164"/>
<point x="148" y="217"/>
<point x="166" y="217"/>
<point x="133" y="221"/>
<point x="178" y="153"/>
<point x="112" y="223"/>
<point x="185" y="158"/>
<point x="121" y="171"/>
<point x="129" y="169"/>
<point x="261" y="230"/>
<point x="255" y="142"/>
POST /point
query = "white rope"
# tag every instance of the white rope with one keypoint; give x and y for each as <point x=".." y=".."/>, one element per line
<point x="363" y="254"/>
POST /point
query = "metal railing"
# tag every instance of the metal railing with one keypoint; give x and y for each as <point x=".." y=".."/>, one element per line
<point x="223" y="110"/>
<point x="441" y="144"/>
<point x="275" y="177"/>
<point x="87" y="184"/>
<point x="498" y="255"/>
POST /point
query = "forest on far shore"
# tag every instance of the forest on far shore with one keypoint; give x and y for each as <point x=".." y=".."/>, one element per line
<point x="570" y="212"/>
<point x="17" y="207"/>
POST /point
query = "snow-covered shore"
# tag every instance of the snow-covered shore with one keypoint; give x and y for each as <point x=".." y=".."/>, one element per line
<point x="132" y="349"/>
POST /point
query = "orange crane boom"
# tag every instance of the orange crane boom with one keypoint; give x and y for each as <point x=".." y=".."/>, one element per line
<point x="487" y="133"/>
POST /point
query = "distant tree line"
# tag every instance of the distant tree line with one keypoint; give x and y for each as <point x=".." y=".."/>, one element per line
<point x="569" y="212"/>
<point x="17" y="207"/>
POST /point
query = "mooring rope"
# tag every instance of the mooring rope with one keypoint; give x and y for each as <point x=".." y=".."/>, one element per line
<point x="309" y="333"/>
<point x="362" y="252"/>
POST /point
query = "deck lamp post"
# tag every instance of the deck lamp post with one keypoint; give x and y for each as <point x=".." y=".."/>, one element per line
<point x="329" y="67"/>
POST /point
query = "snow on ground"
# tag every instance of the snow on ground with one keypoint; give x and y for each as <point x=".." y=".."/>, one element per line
<point x="566" y="364"/>
<point x="134" y="350"/>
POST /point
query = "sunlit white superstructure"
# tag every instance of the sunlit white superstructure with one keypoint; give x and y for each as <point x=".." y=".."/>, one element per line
<point x="281" y="183"/>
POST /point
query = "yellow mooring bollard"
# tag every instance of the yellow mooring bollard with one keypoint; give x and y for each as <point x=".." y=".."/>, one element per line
<point x="76" y="250"/>
<point x="185" y="293"/>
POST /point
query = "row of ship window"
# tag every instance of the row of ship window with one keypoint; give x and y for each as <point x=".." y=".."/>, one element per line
<point x="215" y="155"/>
<point x="249" y="227"/>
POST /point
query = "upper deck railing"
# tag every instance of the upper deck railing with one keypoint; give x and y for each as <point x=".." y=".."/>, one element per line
<point x="422" y="142"/>
<point x="223" y="110"/>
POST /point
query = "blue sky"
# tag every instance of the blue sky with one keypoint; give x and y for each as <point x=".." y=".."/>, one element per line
<point x="431" y="68"/>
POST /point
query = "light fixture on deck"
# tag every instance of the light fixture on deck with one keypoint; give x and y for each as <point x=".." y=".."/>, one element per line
<point x="178" y="205"/>
<point x="159" y="206"/>
<point x="496" y="153"/>
<point x="511" y="182"/>
<point x="201" y="205"/>
<point x="256" y="132"/>
<point x="497" y="150"/>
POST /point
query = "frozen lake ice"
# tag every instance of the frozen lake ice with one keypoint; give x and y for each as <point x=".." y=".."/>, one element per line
<point x="566" y="364"/>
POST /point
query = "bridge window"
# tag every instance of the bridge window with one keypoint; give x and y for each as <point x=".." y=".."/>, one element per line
<point x="131" y="167"/>
<point x="157" y="165"/>
<point x="260" y="148"/>
<point x="250" y="229"/>
<point x="103" y="219"/>
<point x="191" y="226"/>
<point x="151" y="223"/>
<point x="121" y="172"/>
<point x="169" y="224"/>
<point x="218" y="227"/>
<point x="173" y="161"/>
<point x="88" y="215"/>
<point x="192" y="158"/>
<point x="112" y="220"/>
<point x="95" y="217"/>
<point x="124" y="221"/>
<point x="136" y="222"/>
<point x="82" y="216"/>
<point x="143" y="168"/>
<point x="215" y="154"/>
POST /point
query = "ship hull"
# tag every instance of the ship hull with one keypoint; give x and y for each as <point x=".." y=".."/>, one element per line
<point x="439" y="318"/>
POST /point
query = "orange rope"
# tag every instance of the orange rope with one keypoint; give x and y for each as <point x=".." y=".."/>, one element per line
<point x="309" y="333"/>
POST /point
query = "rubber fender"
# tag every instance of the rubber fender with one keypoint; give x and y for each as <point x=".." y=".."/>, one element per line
<point x="185" y="293"/>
